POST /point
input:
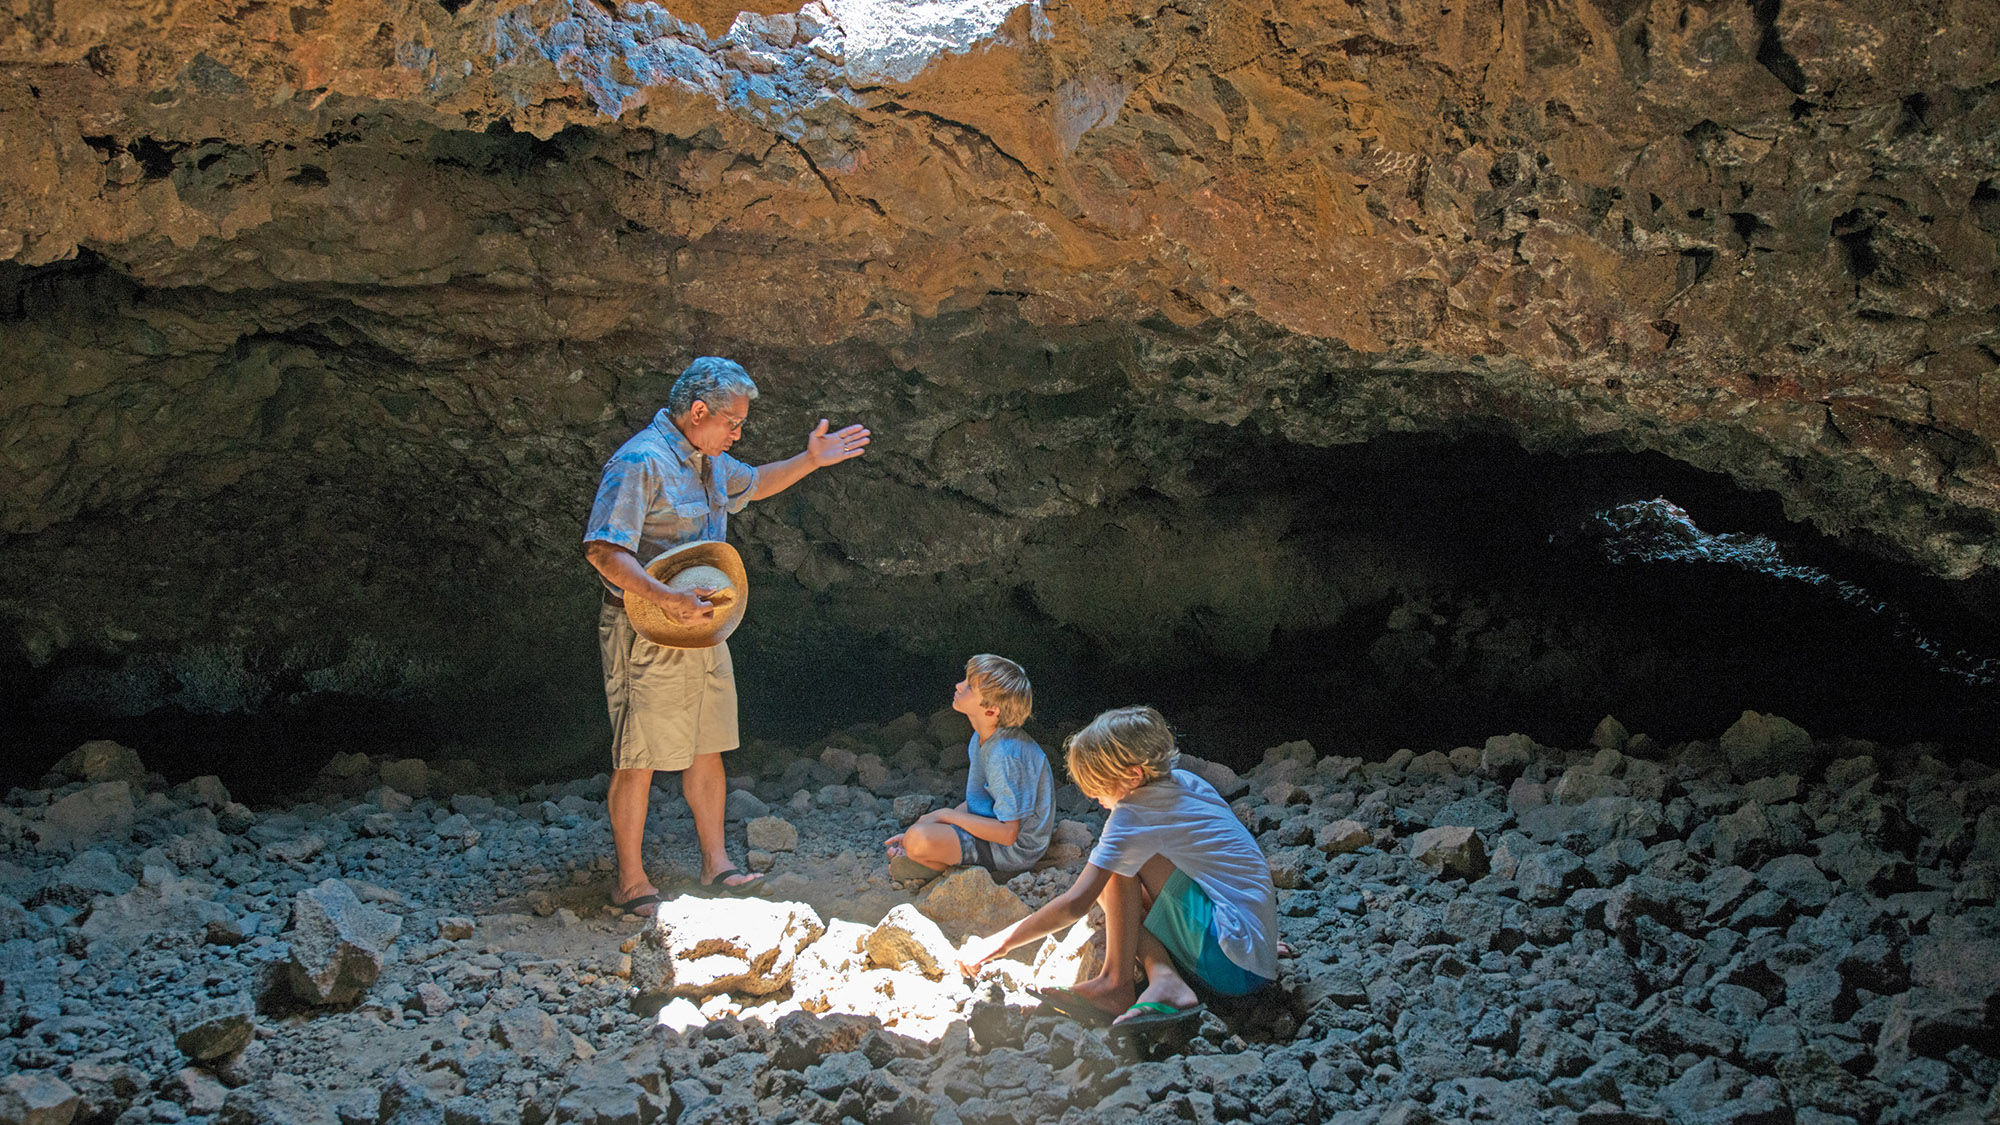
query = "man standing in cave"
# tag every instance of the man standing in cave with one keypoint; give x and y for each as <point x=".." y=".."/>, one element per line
<point x="674" y="482"/>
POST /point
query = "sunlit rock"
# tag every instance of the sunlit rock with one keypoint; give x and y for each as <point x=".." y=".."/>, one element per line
<point x="699" y="948"/>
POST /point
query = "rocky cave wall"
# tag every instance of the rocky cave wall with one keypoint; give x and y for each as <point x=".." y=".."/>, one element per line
<point x="320" y="318"/>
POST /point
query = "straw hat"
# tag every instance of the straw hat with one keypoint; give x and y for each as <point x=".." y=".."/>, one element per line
<point x="693" y="566"/>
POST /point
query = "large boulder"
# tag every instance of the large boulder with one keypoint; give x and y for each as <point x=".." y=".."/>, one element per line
<point x="99" y="761"/>
<point x="98" y="812"/>
<point x="161" y="905"/>
<point x="699" y="947"/>
<point x="967" y="901"/>
<point x="1760" y="745"/>
<point x="338" y="944"/>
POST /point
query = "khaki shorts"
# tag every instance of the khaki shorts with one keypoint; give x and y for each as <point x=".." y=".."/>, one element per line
<point x="667" y="704"/>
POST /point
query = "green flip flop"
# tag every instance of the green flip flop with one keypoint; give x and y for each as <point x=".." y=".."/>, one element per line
<point x="1148" y="1016"/>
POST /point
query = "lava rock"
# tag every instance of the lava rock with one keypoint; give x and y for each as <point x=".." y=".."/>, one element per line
<point x="1452" y="852"/>
<point x="966" y="902"/>
<point x="1759" y="745"/>
<point x="36" y="1098"/>
<point x="771" y="834"/>
<point x="337" y="944"/>
<point x="214" y="1028"/>
<point x="907" y="939"/>
<point x="101" y="812"/>
<point x="704" y="947"/>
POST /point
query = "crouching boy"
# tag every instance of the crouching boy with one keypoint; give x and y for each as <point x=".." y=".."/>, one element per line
<point x="1187" y="892"/>
<point x="1008" y="813"/>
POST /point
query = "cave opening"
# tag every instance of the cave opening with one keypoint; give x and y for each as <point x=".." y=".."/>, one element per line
<point x="1415" y="590"/>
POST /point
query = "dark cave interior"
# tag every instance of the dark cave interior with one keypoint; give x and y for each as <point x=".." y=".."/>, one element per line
<point x="1473" y="603"/>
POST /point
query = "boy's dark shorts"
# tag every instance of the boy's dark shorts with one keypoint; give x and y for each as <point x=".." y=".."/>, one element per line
<point x="974" y="851"/>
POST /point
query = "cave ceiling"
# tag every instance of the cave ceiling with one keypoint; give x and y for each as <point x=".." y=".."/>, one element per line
<point x="335" y="308"/>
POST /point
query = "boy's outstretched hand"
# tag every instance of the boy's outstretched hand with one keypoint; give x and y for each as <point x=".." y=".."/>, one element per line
<point x="977" y="950"/>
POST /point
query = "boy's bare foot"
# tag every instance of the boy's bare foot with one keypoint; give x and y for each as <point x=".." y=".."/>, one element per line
<point x="1163" y="989"/>
<point x="1106" y="994"/>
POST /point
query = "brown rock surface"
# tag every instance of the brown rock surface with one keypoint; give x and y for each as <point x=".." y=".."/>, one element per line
<point x="329" y="313"/>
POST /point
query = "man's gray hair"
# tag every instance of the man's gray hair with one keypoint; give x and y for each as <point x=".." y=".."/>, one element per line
<point x="712" y="379"/>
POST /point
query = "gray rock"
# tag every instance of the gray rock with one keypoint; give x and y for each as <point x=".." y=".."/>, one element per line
<point x="528" y="1031"/>
<point x="741" y="804"/>
<point x="1452" y="852"/>
<point x="967" y="901"/>
<point x="1676" y="1030"/>
<point x="1224" y="779"/>
<point x="907" y="939"/>
<point x="406" y="1100"/>
<point x="838" y="762"/>
<point x="1759" y="745"/>
<point x="1799" y="880"/>
<point x="407" y="775"/>
<point x="838" y="1072"/>
<point x="908" y="807"/>
<point x="1342" y="837"/>
<point x="213" y="1029"/>
<point x="99" y="761"/>
<point x="337" y="944"/>
<point x="1292" y="867"/>
<point x="771" y="834"/>
<point x="611" y="1091"/>
<point x="91" y="875"/>
<point x="1610" y="734"/>
<point x="1576" y="786"/>
<point x="157" y="907"/>
<point x="1548" y="876"/>
<point x="1506" y="756"/>
<point x="1812" y="1078"/>
<point x="200" y="1091"/>
<point x="36" y="1098"/>
<point x="1473" y="812"/>
<point x="431" y="1000"/>
<point x="278" y="1100"/>
<point x="101" y="812"/>
<point x="870" y="773"/>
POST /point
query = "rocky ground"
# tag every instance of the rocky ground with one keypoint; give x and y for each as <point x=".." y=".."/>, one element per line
<point x="1764" y="928"/>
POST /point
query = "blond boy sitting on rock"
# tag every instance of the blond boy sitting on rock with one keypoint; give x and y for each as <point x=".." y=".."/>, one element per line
<point x="1008" y="813"/>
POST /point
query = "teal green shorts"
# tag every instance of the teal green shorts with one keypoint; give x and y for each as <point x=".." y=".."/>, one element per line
<point x="1183" y="918"/>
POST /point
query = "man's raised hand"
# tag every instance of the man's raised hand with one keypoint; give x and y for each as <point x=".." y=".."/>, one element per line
<point x="825" y="448"/>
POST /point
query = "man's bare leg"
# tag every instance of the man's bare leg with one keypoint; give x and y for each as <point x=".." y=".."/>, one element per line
<point x="705" y="785"/>
<point x="630" y="792"/>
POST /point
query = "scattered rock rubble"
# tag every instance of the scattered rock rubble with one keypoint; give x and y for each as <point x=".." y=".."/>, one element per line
<point x="1766" y="928"/>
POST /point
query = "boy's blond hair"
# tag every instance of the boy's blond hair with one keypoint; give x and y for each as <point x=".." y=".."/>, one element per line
<point x="1002" y="685"/>
<point x="1101" y="755"/>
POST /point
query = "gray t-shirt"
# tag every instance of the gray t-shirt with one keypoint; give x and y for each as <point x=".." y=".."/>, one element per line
<point x="1183" y="818"/>
<point x="1009" y="779"/>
